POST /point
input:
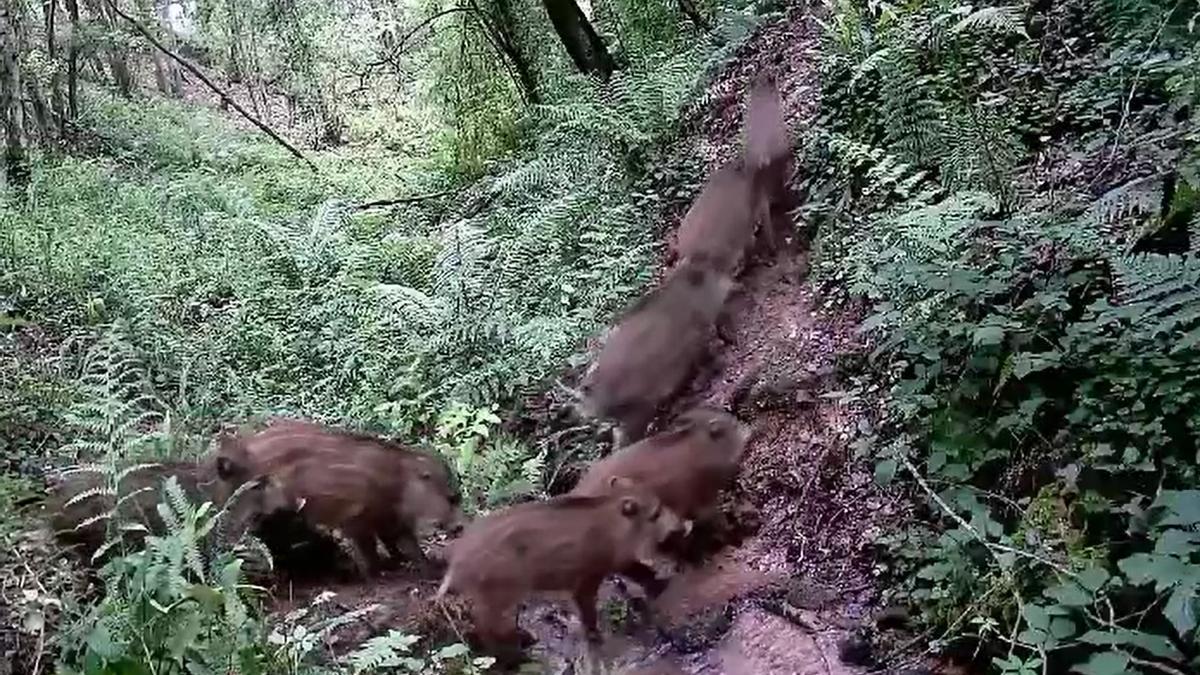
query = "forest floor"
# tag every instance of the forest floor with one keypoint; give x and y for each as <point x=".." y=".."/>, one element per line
<point x="789" y="593"/>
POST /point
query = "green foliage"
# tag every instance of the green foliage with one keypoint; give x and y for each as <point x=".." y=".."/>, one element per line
<point x="1042" y="346"/>
<point x="168" y="606"/>
<point x="391" y="652"/>
<point x="494" y="467"/>
<point x="169" y="269"/>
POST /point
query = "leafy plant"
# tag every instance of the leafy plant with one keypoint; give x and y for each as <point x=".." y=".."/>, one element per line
<point x="1038" y="337"/>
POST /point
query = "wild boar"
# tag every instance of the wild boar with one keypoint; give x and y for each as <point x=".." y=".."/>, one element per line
<point x="654" y="348"/>
<point x="82" y="502"/>
<point x="364" y="486"/>
<point x="567" y="543"/>
<point x="719" y="227"/>
<point x="768" y="151"/>
<point x="685" y="467"/>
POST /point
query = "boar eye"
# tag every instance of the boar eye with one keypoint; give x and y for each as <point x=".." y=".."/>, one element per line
<point x="715" y="429"/>
<point x="426" y="475"/>
<point x="225" y="468"/>
<point x="629" y="507"/>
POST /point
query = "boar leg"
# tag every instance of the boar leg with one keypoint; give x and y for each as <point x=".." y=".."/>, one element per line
<point x="631" y="427"/>
<point x="402" y="544"/>
<point x="585" y="602"/>
<point x="367" y="559"/>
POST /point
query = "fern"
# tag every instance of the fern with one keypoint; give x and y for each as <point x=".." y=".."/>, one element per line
<point x="384" y="651"/>
<point x="1002" y="20"/>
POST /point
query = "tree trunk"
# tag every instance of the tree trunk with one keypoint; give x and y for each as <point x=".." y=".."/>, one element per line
<point x="16" y="164"/>
<point x="173" y="77"/>
<point x="49" y="15"/>
<point x="584" y="46"/>
<point x="73" y="64"/>
<point x="118" y="64"/>
<point x="509" y="43"/>
<point x="689" y="9"/>
<point x="234" y="68"/>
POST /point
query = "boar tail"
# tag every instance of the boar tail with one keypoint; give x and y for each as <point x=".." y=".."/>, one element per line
<point x="444" y="588"/>
<point x="573" y="393"/>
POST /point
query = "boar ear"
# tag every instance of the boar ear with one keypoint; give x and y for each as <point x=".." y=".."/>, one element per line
<point x="629" y="506"/>
<point x="620" y="483"/>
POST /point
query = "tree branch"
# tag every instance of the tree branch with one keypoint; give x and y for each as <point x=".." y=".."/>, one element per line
<point x="416" y="29"/>
<point x="379" y="203"/>
<point x="226" y="98"/>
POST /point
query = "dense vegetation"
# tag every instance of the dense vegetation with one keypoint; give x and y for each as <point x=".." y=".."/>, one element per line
<point x="1014" y="190"/>
<point x="1011" y="190"/>
<point x="470" y="202"/>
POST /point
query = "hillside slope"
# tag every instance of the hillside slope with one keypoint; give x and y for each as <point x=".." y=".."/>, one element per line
<point x="784" y="598"/>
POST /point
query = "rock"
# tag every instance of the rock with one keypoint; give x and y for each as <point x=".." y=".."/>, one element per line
<point x="855" y="650"/>
<point x="892" y="617"/>
<point x="699" y="630"/>
<point x="804" y="594"/>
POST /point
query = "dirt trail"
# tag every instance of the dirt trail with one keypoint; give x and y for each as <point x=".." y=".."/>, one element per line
<point x="781" y="601"/>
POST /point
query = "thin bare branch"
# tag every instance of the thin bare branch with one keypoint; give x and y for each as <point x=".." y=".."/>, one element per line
<point x="225" y="97"/>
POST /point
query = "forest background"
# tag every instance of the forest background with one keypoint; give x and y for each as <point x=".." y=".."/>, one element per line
<point x="408" y="216"/>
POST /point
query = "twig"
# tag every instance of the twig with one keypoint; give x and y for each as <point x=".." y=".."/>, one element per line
<point x="990" y="545"/>
<point x="226" y="98"/>
<point x="1155" y="665"/>
<point x="379" y="203"/>
<point x="1004" y="571"/>
<point x="41" y="648"/>
<point x="407" y="36"/>
<point x="1127" y="106"/>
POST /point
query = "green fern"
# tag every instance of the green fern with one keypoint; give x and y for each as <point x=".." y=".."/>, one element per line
<point x="1002" y="20"/>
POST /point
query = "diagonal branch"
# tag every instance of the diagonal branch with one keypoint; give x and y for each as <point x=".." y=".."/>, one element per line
<point x="226" y="98"/>
<point x="416" y="29"/>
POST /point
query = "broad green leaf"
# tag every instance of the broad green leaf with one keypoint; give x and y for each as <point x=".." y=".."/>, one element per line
<point x="1062" y="628"/>
<point x="1154" y="644"/>
<point x="988" y="335"/>
<point x="1164" y="570"/>
<point x="885" y="471"/>
<point x="1024" y="364"/>
<point x="1033" y="637"/>
<point x="1182" y="507"/>
<point x="1036" y="617"/>
<point x="1070" y="594"/>
<point x="1104" y="663"/>
<point x="1093" y="578"/>
<point x="1177" y="542"/>
<point x="1180" y="609"/>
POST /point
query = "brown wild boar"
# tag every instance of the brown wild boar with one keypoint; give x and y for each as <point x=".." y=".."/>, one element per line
<point x="654" y="348"/>
<point x="719" y="227"/>
<point x="768" y="150"/>
<point x="364" y="486"/>
<point x="567" y="543"/>
<point x="82" y="502"/>
<point x="686" y="467"/>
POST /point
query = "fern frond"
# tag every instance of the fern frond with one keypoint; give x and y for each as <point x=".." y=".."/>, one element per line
<point x="382" y="651"/>
<point x="1004" y="20"/>
<point x="134" y="468"/>
<point x="90" y="493"/>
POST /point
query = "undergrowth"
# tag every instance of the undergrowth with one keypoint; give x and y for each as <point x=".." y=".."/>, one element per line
<point x="1015" y="193"/>
<point x="170" y="273"/>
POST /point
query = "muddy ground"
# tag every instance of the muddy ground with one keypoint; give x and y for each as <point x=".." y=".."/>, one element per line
<point x="800" y="582"/>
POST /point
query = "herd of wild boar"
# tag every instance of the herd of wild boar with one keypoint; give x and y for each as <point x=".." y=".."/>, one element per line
<point x="628" y="510"/>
